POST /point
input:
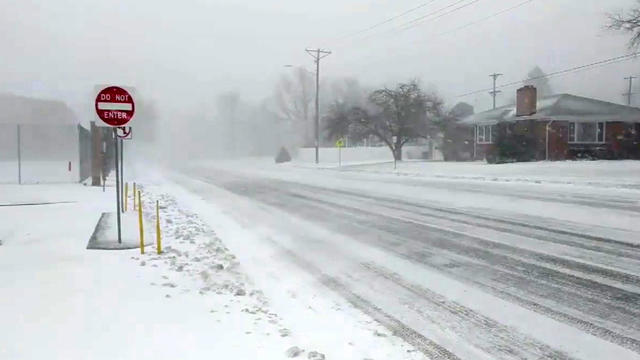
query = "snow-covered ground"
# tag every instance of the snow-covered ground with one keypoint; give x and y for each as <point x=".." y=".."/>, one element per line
<point x="268" y="261"/>
<point x="59" y="300"/>
<point x="194" y="301"/>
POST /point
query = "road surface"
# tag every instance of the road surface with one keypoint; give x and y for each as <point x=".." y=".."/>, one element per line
<point x="468" y="279"/>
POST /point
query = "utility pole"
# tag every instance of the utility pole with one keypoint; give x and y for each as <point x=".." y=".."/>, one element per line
<point x="318" y="54"/>
<point x="122" y="169"/>
<point x="495" y="92"/>
<point x="629" y="94"/>
<point x="118" y="208"/>
<point x="19" y="158"/>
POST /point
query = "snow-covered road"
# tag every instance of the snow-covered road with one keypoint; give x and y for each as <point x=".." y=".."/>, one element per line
<point x="457" y="268"/>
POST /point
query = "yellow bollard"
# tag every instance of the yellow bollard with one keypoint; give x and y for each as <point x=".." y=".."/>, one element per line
<point x="158" y="237"/>
<point x="126" y="195"/>
<point x="140" y="223"/>
<point x="134" y="196"/>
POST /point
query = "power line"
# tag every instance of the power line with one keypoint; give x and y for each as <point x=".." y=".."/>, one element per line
<point x="376" y="25"/>
<point x="415" y="22"/>
<point x="501" y="12"/>
<point x="487" y="17"/>
<point x="418" y="21"/>
<point x="562" y="72"/>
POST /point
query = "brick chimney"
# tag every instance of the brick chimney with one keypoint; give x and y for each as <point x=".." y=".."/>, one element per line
<point x="526" y="101"/>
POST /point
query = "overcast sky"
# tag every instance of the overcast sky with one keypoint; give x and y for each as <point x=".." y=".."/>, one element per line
<point x="184" y="52"/>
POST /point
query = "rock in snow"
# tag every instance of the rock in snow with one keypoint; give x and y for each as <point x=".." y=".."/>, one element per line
<point x="293" y="351"/>
<point x="314" y="355"/>
<point x="240" y="292"/>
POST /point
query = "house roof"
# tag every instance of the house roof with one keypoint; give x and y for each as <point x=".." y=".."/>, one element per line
<point x="562" y="107"/>
<point x="15" y="109"/>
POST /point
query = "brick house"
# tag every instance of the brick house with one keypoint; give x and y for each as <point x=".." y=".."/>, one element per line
<point x="558" y="127"/>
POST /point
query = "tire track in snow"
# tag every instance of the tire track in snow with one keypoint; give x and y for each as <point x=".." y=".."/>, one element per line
<point x="428" y="347"/>
<point x="540" y="290"/>
<point x="523" y="254"/>
<point x="504" y="342"/>
<point x="496" y="222"/>
<point x="573" y="238"/>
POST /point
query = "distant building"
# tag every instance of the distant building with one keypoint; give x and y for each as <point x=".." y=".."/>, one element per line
<point x="556" y="127"/>
<point x="41" y="141"/>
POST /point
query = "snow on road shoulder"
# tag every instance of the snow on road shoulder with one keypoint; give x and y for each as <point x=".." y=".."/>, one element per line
<point x="196" y="261"/>
<point x="59" y="300"/>
<point x="317" y="317"/>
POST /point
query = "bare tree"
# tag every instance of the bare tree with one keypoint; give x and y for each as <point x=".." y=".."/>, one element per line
<point x="539" y="79"/>
<point x="146" y="120"/>
<point x="227" y="105"/>
<point x="395" y="116"/>
<point x="348" y="91"/>
<point x="628" y="21"/>
<point x="294" y="95"/>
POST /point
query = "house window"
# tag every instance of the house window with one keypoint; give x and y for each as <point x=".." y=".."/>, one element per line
<point x="586" y="132"/>
<point x="486" y="134"/>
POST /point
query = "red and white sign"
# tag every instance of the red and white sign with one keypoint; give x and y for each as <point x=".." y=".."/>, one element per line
<point x="115" y="106"/>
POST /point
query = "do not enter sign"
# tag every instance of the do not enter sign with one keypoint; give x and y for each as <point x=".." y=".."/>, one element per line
<point x="114" y="106"/>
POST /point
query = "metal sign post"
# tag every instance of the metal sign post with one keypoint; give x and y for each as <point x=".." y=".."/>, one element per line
<point x="115" y="107"/>
<point x="123" y="133"/>
<point x="115" y="144"/>
<point x="19" y="158"/>
<point x="394" y="140"/>
<point x="340" y="145"/>
<point x="122" y="170"/>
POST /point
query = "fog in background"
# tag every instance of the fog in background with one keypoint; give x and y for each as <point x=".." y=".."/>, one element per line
<point x="212" y="73"/>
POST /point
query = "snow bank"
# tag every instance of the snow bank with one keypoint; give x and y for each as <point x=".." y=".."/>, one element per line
<point x="621" y="174"/>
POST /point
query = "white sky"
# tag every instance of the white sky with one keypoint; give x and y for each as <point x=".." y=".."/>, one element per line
<point x="184" y="52"/>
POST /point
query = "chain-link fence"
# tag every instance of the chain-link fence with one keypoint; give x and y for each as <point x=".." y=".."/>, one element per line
<point x="32" y="153"/>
